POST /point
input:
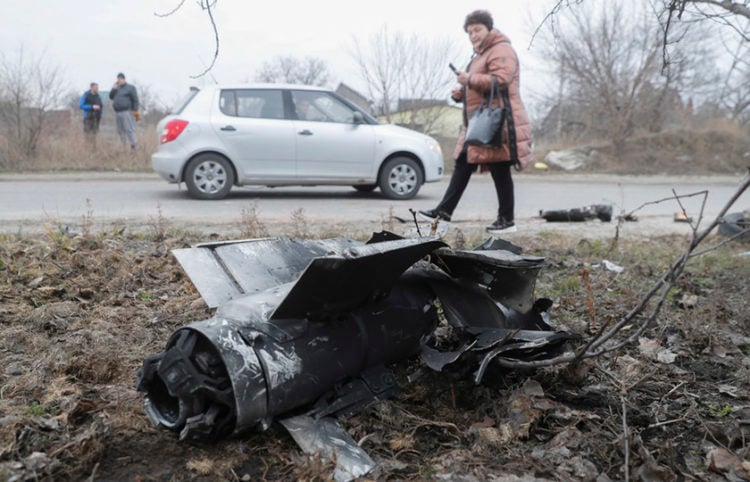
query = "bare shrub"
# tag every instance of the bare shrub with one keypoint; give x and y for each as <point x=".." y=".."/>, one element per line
<point x="30" y="87"/>
<point x="159" y="225"/>
<point x="252" y="226"/>
<point x="87" y="220"/>
<point x="460" y="239"/>
<point x="300" y="228"/>
<point x="387" y="220"/>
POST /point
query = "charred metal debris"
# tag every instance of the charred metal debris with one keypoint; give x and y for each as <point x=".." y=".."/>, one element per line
<point x="736" y="225"/>
<point x="304" y="331"/>
<point x="603" y="212"/>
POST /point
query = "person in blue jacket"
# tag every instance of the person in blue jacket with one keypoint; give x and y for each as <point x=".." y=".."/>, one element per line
<point x="91" y="105"/>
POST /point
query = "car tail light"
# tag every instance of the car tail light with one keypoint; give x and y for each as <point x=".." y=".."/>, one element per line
<point x="172" y="130"/>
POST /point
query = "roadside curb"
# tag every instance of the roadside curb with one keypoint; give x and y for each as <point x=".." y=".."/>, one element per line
<point x="78" y="176"/>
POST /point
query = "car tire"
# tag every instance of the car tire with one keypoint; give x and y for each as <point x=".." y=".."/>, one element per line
<point x="209" y="176"/>
<point x="400" y="178"/>
<point x="365" y="187"/>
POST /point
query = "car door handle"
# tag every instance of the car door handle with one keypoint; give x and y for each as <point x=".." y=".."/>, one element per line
<point x="306" y="132"/>
<point x="228" y="128"/>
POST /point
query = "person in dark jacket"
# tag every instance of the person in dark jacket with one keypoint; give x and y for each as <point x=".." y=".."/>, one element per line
<point x="493" y="57"/>
<point x="125" y="103"/>
<point x="91" y="105"/>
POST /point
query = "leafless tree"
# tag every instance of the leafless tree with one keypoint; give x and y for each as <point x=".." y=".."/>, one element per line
<point x="728" y="12"/>
<point x="410" y="72"/>
<point x="30" y="86"/>
<point x="733" y="97"/>
<point x="610" y="81"/>
<point x="294" y="70"/>
<point x="732" y="14"/>
<point x="381" y="66"/>
<point x="151" y="105"/>
<point x="605" y="64"/>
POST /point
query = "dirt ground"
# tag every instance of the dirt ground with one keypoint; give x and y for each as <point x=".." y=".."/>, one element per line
<point x="79" y="312"/>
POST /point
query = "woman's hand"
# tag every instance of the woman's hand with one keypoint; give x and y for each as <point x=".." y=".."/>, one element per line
<point x="462" y="77"/>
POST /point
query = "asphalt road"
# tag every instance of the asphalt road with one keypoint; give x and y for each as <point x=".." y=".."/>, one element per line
<point x="28" y="201"/>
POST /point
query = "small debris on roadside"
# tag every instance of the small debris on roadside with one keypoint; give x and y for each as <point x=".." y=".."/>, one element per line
<point x="736" y="224"/>
<point x="609" y="266"/>
<point x="603" y="212"/>
<point x="688" y="301"/>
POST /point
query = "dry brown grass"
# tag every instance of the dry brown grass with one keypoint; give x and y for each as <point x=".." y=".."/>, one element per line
<point x="716" y="146"/>
<point x="719" y="147"/>
<point x="68" y="149"/>
<point x="250" y="223"/>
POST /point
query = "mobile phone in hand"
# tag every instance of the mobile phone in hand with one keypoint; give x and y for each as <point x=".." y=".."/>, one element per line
<point x="453" y="68"/>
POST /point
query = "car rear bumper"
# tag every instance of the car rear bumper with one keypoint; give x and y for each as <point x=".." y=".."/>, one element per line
<point x="167" y="166"/>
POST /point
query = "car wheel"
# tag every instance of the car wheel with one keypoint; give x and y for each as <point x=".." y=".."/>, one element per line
<point x="400" y="178"/>
<point x="365" y="187"/>
<point x="209" y="176"/>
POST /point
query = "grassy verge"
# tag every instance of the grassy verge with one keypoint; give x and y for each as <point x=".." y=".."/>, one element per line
<point x="79" y="313"/>
<point x="67" y="149"/>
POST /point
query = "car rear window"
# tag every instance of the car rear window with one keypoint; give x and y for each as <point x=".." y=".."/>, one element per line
<point x="186" y="100"/>
<point x="253" y="103"/>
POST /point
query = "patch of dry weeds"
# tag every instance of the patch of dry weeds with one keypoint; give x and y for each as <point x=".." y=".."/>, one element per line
<point x="79" y="314"/>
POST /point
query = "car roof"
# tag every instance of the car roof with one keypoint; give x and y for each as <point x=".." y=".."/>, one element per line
<point x="264" y="86"/>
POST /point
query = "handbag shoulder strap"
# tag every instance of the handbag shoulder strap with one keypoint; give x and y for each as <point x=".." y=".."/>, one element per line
<point x="494" y="87"/>
<point x="512" y="140"/>
<point x="512" y="143"/>
<point x="489" y="97"/>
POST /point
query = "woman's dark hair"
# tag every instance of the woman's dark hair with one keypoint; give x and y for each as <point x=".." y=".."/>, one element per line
<point x="478" y="16"/>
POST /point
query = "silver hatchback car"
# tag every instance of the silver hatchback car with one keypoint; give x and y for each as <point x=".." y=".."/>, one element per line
<point x="288" y="135"/>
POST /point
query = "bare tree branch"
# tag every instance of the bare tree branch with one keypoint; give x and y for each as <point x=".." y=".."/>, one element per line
<point x="207" y="8"/>
<point x="167" y="14"/>
<point x="735" y="8"/>
<point x="721" y="243"/>
<point x="206" y="5"/>
<point x="550" y="17"/>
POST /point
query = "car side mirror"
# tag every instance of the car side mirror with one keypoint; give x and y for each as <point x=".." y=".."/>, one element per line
<point x="358" y="118"/>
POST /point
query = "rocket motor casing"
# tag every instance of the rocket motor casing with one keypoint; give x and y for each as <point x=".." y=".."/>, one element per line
<point x="239" y="370"/>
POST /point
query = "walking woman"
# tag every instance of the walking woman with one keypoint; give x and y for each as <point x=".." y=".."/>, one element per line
<point x="493" y="56"/>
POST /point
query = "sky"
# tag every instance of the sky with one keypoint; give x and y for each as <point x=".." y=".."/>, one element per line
<point x="94" y="40"/>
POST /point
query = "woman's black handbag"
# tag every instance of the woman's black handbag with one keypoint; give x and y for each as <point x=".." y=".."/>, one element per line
<point x="485" y="127"/>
